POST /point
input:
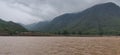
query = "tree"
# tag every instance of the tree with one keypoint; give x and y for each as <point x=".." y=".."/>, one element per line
<point x="65" y="32"/>
<point x="79" y="32"/>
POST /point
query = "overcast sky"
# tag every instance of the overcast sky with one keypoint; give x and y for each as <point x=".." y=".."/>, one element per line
<point x="30" y="11"/>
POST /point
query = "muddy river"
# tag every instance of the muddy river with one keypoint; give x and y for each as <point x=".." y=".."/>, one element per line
<point x="59" y="46"/>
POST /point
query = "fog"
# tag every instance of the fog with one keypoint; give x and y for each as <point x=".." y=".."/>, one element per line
<point x="31" y="11"/>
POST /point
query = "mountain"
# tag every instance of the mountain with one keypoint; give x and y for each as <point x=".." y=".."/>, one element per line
<point x="99" y="19"/>
<point x="36" y="26"/>
<point x="9" y="28"/>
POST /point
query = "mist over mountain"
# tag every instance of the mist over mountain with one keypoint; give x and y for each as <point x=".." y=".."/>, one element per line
<point x="36" y="26"/>
<point x="32" y="11"/>
<point x="102" y="18"/>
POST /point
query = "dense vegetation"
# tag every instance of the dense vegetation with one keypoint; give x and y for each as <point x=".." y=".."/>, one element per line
<point x="10" y="28"/>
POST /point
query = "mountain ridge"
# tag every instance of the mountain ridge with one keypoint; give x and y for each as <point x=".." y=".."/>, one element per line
<point x="102" y="18"/>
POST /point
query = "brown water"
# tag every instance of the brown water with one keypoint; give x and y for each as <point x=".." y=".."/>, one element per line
<point x="59" y="46"/>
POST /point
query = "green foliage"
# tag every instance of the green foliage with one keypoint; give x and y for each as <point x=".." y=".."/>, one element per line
<point x="65" y="32"/>
<point x="10" y="28"/>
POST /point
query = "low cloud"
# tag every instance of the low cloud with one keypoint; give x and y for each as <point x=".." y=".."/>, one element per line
<point x="30" y="11"/>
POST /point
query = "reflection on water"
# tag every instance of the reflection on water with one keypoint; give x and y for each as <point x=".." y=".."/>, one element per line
<point x="59" y="46"/>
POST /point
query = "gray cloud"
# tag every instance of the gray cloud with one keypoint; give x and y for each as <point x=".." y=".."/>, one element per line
<point x="30" y="11"/>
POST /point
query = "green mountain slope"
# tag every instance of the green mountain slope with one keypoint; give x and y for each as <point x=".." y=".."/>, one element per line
<point x="10" y="28"/>
<point x="99" y="19"/>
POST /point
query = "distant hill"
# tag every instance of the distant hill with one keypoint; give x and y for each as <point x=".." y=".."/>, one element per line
<point x="10" y="28"/>
<point x="99" y="19"/>
<point x="36" y="26"/>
